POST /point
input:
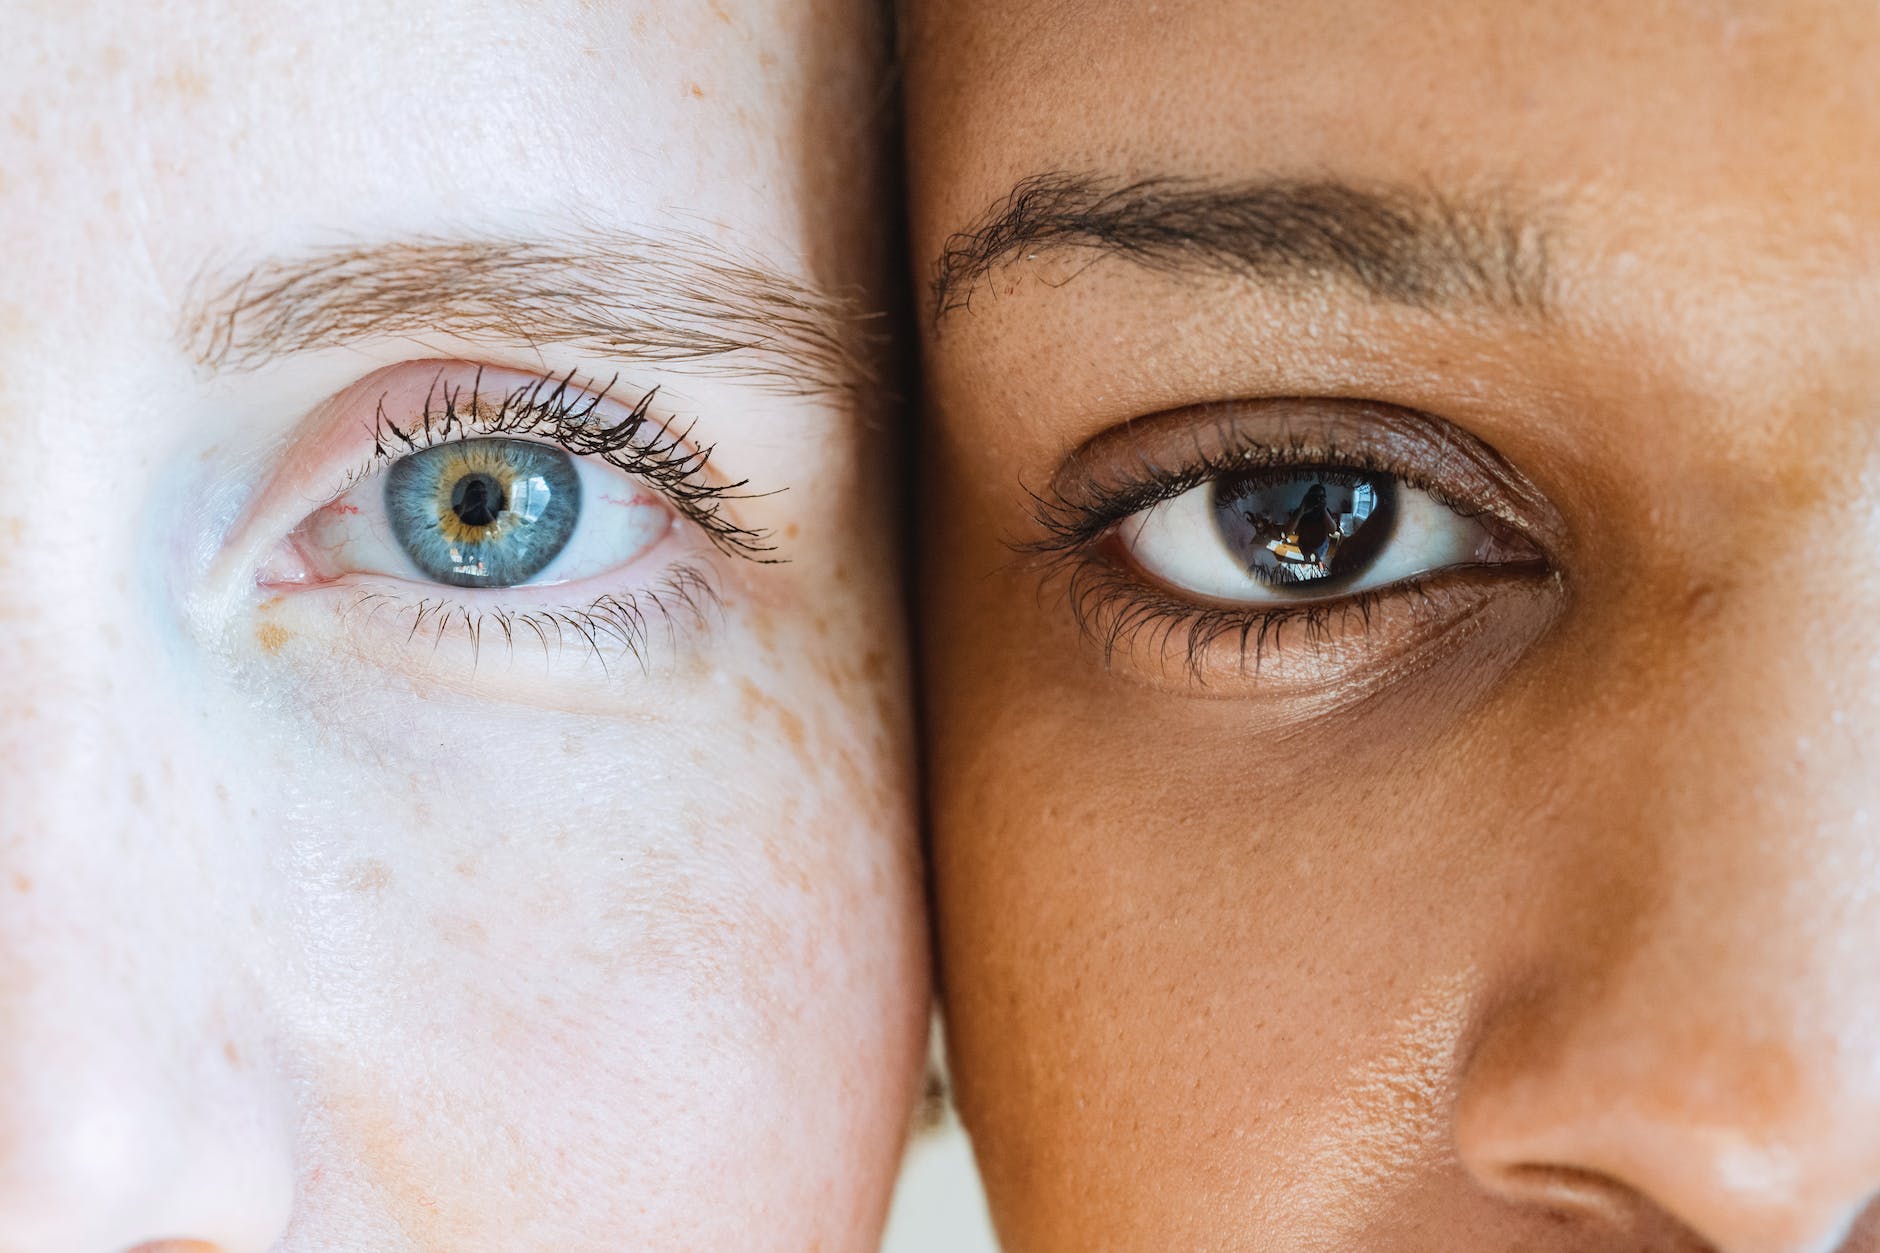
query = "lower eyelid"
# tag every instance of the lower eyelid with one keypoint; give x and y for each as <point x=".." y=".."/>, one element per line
<point x="1296" y="649"/>
<point x="544" y="651"/>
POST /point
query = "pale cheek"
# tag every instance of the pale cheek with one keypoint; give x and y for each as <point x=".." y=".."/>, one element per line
<point x="626" y="944"/>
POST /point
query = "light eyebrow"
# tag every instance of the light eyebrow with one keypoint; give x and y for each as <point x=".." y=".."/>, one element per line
<point x="1404" y="245"/>
<point x="672" y="299"/>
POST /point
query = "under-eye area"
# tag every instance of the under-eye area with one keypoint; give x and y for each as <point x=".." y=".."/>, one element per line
<point x="469" y="511"/>
<point x="1291" y="542"/>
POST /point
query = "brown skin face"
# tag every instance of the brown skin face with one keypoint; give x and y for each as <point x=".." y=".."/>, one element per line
<point x="1530" y="905"/>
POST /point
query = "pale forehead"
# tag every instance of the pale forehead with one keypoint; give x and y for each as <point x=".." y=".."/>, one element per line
<point x="179" y="134"/>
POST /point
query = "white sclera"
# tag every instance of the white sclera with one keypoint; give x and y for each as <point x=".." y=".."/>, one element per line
<point x="1179" y="543"/>
<point x="619" y="520"/>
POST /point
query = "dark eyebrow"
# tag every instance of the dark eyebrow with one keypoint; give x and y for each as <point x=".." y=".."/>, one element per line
<point x="1403" y="245"/>
<point x="677" y="299"/>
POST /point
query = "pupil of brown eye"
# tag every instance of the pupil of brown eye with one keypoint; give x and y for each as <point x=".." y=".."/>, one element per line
<point x="478" y="500"/>
<point x="1292" y="527"/>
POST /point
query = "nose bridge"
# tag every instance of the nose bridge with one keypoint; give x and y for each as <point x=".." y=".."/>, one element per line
<point x="1715" y="1050"/>
<point x="1753" y="782"/>
<point x="136" y="1103"/>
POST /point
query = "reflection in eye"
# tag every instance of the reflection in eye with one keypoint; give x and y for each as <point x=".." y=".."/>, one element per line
<point x="1288" y="534"/>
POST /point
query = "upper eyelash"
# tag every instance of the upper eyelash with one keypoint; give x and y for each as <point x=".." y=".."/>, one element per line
<point x="561" y="411"/>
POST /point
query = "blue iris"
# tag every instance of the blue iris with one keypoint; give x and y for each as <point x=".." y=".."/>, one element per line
<point x="483" y="512"/>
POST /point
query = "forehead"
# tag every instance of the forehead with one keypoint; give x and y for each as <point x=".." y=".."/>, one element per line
<point x="181" y="134"/>
<point x="1756" y="106"/>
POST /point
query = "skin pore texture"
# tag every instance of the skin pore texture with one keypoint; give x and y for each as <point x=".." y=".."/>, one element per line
<point x="1534" y="908"/>
<point x="342" y="910"/>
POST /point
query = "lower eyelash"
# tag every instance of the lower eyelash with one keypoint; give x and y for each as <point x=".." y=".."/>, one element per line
<point x="616" y="623"/>
<point x="1120" y="613"/>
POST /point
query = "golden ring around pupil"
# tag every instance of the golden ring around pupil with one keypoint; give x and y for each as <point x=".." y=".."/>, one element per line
<point x="473" y="459"/>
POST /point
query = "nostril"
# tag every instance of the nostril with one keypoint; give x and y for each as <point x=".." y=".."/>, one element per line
<point x="1590" y="1201"/>
<point x="1570" y="1191"/>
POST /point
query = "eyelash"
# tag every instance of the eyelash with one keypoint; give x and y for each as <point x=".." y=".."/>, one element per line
<point x="686" y="593"/>
<point x="561" y="412"/>
<point x="1117" y="609"/>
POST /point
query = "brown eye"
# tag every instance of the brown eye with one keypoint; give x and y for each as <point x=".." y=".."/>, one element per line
<point x="1270" y="536"/>
<point x="1305" y="530"/>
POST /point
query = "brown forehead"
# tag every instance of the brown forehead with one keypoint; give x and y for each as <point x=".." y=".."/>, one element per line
<point x="1751" y="106"/>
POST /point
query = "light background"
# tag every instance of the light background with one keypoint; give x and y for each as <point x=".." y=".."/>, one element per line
<point x="938" y="1207"/>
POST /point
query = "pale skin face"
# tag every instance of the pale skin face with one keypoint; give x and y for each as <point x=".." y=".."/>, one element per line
<point x="348" y="910"/>
<point x="1539" y="911"/>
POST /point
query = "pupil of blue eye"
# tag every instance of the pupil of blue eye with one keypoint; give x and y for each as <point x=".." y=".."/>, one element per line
<point x="483" y="512"/>
<point x="477" y="499"/>
<point x="1305" y="527"/>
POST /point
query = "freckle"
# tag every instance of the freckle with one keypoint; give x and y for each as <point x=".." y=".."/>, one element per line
<point x="874" y="666"/>
<point x="22" y="883"/>
<point x="751" y="699"/>
<point x="695" y="91"/>
<point x="468" y="869"/>
<point x="764" y="627"/>
<point x="792" y="531"/>
<point x="229" y="1051"/>
<point x="792" y="727"/>
<point x="271" y="636"/>
<point x="271" y="602"/>
<point x="188" y="83"/>
<point x="140" y="794"/>
<point x="371" y="875"/>
<point x="464" y="932"/>
<point x="221" y="793"/>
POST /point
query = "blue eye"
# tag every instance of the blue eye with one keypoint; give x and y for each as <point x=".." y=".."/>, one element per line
<point x="488" y="512"/>
<point x="483" y="512"/>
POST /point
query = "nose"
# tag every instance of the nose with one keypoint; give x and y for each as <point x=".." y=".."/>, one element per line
<point x="137" y="1110"/>
<point x="1690" y="1034"/>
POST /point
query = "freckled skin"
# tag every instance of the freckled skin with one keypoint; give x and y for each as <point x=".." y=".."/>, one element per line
<point x="1574" y="950"/>
<point x="312" y="944"/>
